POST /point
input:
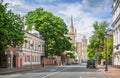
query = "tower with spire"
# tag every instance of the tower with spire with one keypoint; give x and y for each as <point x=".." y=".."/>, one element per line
<point x="72" y="33"/>
<point x="80" y="46"/>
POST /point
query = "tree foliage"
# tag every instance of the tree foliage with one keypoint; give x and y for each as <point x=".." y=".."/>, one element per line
<point x="10" y="28"/>
<point x="97" y="40"/>
<point x="52" y="28"/>
<point x="108" y="47"/>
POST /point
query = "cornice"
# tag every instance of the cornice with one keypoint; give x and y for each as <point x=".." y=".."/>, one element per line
<point x="116" y="20"/>
<point x="116" y="6"/>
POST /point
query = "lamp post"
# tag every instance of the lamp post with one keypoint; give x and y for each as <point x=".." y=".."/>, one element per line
<point x="106" y="60"/>
<point x="31" y="54"/>
<point x="42" y="57"/>
<point x="39" y="50"/>
<point x="107" y="33"/>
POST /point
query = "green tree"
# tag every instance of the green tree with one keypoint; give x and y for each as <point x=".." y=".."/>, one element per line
<point x="52" y="28"/>
<point x="108" y="47"/>
<point x="97" y="40"/>
<point x="11" y="24"/>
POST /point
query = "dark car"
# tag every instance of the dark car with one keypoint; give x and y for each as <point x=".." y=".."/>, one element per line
<point x="91" y="63"/>
<point x="75" y="63"/>
<point x="68" y="63"/>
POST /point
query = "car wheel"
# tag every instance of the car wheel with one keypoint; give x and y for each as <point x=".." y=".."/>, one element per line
<point x="87" y="66"/>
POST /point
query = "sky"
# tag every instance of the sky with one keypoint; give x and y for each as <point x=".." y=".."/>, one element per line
<point x="84" y="12"/>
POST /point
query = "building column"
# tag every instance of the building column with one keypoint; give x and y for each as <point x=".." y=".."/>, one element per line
<point x="11" y="53"/>
<point x="114" y="38"/>
<point x="115" y="60"/>
<point x="118" y="35"/>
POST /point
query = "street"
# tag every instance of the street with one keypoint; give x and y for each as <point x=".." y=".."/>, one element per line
<point x="70" y="71"/>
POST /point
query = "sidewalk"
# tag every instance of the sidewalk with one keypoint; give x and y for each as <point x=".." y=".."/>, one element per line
<point x="14" y="70"/>
<point x="111" y="73"/>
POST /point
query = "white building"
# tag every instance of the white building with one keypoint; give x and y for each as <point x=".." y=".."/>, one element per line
<point x="32" y="50"/>
<point x="116" y="33"/>
<point x="28" y="54"/>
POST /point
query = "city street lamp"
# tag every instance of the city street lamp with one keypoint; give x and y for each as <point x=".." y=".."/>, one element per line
<point x="39" y="50"/>
<point x="31" y="54"/>
<point x="107" y="33"/>
<point x="106" y="60"/>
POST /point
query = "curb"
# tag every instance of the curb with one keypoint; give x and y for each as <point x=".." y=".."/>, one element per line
<point x="105" y="73"/>
<point x="20" y="70"/>
<point x="15" y="71"/>
<point x="10" y="72"/>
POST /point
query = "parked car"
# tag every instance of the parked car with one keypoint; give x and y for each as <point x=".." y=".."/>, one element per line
<point x="74" y="62"/>
<point x="91" y="63"/>
<point x="68" y="63"/>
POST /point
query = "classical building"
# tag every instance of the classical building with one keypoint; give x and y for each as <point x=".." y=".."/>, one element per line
<point x="33" y="49"/>
<point x="30" y="54"/>
<point x="116" y="32"/>
<point x="80" y="46"/>
<point x="84" y="48"/>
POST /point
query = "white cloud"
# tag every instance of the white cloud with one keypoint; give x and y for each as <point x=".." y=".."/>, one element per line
<point x="82" y="20"/>
<point x="14" y="2"/>
<point x="45" y="1"/>
<point x="19" y="6"/>
<point x="71" y="9"/>
<point x="98" y="7"/>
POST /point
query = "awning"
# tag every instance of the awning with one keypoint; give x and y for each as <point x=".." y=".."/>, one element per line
<point x="77" y="55"/>
<point x="69" y="52"/>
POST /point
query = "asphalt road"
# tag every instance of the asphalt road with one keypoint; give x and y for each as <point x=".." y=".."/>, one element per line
<point x="72" y="71"/>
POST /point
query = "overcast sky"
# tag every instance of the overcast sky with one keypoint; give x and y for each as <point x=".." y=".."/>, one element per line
<point x="84" y="12"/>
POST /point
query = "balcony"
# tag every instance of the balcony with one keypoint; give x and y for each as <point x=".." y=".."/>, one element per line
<point x="116" y="48"/>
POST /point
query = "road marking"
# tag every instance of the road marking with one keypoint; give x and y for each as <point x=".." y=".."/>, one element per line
<point x="27" y="74"/>
<point x="88" y="77"/>
<point x="49" y="74"/>
<point x="52" y="70"/>
<point x="54" y="73"/>
<point x="15" y="75"/>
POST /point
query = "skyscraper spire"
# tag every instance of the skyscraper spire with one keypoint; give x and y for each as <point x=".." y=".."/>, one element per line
<point x="71" y="26"/>
<point x="71" y="22"/>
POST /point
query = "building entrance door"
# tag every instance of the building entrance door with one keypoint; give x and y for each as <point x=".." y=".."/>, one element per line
<point x="14" y="61"/>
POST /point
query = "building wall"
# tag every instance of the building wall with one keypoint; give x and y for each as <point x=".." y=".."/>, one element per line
<point x="84" y="48"/>
<point x="79" y="48"/>
<point x="116" y="32"/>
<point x="31" y="51"/>
<point x="73" y="38"/>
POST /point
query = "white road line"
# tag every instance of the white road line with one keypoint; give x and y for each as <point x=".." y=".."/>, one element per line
<point x="19" y="75"/>
<point x="53" y="70"/>
<point x="15" y="75"/>
<point x="54" y="73"/>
